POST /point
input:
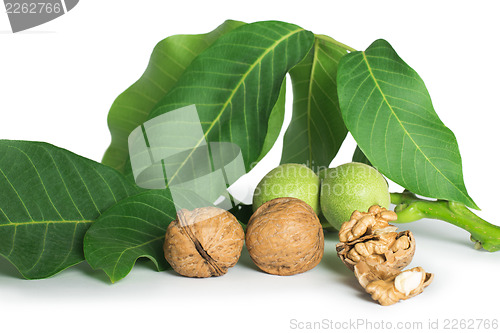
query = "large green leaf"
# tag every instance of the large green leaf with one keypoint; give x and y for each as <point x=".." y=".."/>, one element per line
<point x="275" y="122"/>
<point x="235" y="83"/>
<point x="389" y="112"/>
<point x="169" y="59"/>
<point x="48" y="199"/>
<point x="316" y="130"/>
<point x="133" y="228"/>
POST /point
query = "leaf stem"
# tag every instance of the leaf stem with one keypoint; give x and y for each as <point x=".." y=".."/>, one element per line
<point x="333" y="41"/>
<point x="411" y="208"/>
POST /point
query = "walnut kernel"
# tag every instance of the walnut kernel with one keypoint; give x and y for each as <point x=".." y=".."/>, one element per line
<point x="390" y="286"/>
<point x="370" y="237"/>
<point x="377" y="253"/>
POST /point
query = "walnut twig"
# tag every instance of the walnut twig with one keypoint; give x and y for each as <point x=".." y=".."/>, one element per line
<point x="411" y="208"/>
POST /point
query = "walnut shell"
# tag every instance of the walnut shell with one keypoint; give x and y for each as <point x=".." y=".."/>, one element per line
<point x="203" y="242"/>
<point x="284" y="237"/>
<point x="382" y="282"/>
<point x="369" y="237"/>
<point x="371" y="247"/>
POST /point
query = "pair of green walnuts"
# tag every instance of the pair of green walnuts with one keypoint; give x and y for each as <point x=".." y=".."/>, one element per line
<point x="335" y="192"/>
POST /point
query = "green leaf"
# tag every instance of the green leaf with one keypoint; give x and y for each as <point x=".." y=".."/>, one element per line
<point x="360" y="157"/>
<point x="48" y="199"/>
<point x="235" y="83"/>
<point x="275" y="122"/>
<point x="316" y="130"/>
<point x="135" y="228"/>
<point x="389" y="112"/>
<point x="131" y="229"/>
<point x="169" y="59"/>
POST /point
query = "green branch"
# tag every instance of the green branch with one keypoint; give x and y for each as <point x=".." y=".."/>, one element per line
<point x="411" y="208"/>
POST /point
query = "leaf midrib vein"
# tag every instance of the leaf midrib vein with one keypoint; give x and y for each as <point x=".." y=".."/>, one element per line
<point x="401" y="124"/>
<point x="44" y="222"/>
<point x="229" y="99"/>
<point x="310" y="95"/>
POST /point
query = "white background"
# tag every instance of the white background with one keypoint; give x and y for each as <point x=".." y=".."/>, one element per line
<point x="58" y="80"/>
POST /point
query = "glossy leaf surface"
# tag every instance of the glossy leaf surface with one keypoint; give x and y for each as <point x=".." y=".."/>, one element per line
<point x="235" y="83"/>
<point x="131" y="229"/>
<point x="48" y="199"/>
<point x="389" y="112"/>
<point x="316" y="130"/>
<point x="169" y="60"/>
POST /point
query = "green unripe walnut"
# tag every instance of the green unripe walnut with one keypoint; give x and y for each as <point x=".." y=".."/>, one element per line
<point x="349" y="187"/>
<point x="289" y="180"/>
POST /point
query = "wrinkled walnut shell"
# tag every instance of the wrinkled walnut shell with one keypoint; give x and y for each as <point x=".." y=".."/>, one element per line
<point x="284" y="237"/>
<point x="380" y="282"/>
<point x="203" y="242"/>
<point x="369" y="237"/>
<point x="372" y="248"/>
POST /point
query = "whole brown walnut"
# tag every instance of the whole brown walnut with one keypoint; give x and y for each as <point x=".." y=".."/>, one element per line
<point x="203" y="242"/>
<point x="284" y="237"/>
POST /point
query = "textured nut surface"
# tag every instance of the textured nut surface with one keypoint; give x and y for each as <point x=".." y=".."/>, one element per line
<point x="284" y="237"/>
<point x="203" y="242"/>
<point x="384" y="285"/>
<point x="369" y="237"/>
<point x="377" y="253"/>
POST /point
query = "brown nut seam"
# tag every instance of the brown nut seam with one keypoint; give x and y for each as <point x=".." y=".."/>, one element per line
<point x="203" y="242"/>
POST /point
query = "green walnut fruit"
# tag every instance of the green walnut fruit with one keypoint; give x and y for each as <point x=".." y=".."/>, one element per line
<point x="289" y="180"/>
<point x="349" y="187"/>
